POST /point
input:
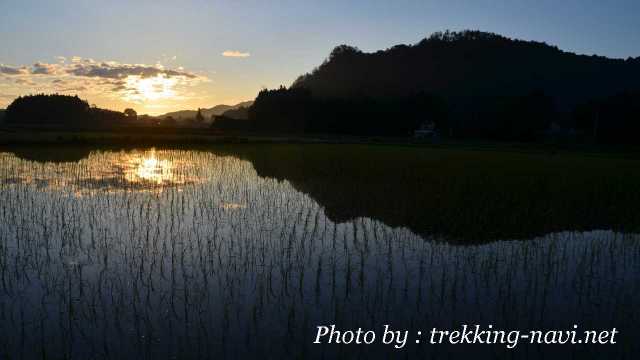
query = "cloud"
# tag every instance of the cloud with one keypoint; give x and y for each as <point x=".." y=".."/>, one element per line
<point x="44" y="69"/>
<point x="90" y="68"/>
<point x="139" y="83"/>
<point x="236" y="54"/>
<point x="114" y="70"/>
<point x="10" y="70"/>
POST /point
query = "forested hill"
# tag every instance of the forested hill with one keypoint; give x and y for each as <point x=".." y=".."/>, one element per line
<point x="466" y="84"/>
<point x="207" y="113"/>
<point x="470" y="63"/>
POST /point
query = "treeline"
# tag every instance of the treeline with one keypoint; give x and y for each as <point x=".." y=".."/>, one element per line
<point x="509" y="118"/>
<point x="530" y="117"/>
<point x="612" y="119"/>
<point x="297" y="111"/>
<point x="72" y="113"/>
<point x="62" y="111"/>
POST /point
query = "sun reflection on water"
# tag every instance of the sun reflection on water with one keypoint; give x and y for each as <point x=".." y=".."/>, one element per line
<point x="148" y="168"/>
<point x="135" y="170"/>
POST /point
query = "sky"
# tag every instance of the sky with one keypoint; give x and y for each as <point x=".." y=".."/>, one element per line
<point x="158" y="56"/>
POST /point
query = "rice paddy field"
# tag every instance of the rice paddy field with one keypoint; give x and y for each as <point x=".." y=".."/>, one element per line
<point x="240" y="251"/>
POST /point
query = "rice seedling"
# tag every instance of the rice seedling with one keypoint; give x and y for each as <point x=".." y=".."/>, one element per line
<point x="154" y="253"/>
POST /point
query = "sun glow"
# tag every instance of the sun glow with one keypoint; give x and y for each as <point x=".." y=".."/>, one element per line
<point x="155" y="88"/>
<point x="150" y="169"/>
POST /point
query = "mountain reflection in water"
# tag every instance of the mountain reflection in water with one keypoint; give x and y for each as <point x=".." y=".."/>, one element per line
<point x="194" y="254"/>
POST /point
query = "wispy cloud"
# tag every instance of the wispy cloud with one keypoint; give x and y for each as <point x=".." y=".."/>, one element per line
<point x="236" y="54"/>
<point x="114" y="70"/>
<point x="91" y="68"/>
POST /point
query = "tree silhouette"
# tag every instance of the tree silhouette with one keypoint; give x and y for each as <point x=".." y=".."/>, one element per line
<point x="613" y="119"/>
<point x="131" y="114"/>
<point x="199" y="118"/>
<point x="60" y="111"/>
<point x="47" y="110"/>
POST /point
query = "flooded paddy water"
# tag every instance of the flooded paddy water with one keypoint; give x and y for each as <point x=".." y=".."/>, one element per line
<point x="242" y="252"/>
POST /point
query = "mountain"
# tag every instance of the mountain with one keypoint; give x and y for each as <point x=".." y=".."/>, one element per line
<point x="467" y="84"/>
<point x="470" y="64"/>
<point x="241" y="113"/>
<point x="207" y="113"/>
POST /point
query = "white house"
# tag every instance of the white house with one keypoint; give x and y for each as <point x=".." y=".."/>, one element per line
<point x="426" y="131"/>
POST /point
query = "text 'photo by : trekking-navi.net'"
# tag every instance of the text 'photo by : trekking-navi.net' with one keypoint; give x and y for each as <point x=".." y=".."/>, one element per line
<point x="319" y="180"/>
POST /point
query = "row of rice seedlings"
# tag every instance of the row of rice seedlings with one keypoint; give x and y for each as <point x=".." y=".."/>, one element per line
<point x="239" y="265"/>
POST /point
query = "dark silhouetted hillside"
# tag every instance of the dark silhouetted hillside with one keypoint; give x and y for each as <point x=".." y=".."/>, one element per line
<point x="471" y="84"/>
<point x="470" y="64"/>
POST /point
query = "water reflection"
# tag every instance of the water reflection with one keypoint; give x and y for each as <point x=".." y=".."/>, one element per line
<point x="460" y="196"/>
<point x="217" y="261"/>
<point x="147" y="167"/>
<point x="139" y="170"/>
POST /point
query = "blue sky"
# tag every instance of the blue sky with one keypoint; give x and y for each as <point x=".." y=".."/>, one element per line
<point x="279" y="40"/>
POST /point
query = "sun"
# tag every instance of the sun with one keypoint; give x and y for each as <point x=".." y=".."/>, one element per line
<point x="144" y="89"/>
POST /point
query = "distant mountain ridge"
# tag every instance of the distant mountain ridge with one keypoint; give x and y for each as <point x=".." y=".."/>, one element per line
<point x="207" y="113"/>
